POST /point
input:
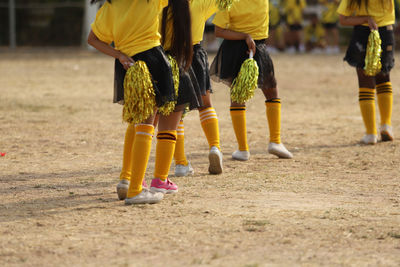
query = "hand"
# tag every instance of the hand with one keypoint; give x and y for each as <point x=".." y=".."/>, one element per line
<point x="251" y="44"/>
<point x="126" y="61"/>
<point x="372" y="24"/>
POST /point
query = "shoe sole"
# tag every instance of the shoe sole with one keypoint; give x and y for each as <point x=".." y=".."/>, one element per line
<point x="386" y="136"/>
<point x="240" y="159"/>
<point x="142" y="201"/>
<point x="162" y="190"/>
<point x="280" y="154"/>
<point x="122" y="192"/>
<point x="215" y="164"/>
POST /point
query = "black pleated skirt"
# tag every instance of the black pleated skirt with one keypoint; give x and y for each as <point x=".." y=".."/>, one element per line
<point x="356" y="51"/>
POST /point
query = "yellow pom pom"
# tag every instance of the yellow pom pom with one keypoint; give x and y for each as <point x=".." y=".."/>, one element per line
<point x="224" y="4"/>
<point x="373" y="56"/>
<point x="245" y="83"/>
<point x="139" y="96"/>
<point x="168" y="107"/>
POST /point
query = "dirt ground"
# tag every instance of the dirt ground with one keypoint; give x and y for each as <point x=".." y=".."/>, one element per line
<point x="336" y="203"/>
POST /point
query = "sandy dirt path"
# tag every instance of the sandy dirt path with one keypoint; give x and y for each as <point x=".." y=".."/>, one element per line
<point x="335" y="203"/>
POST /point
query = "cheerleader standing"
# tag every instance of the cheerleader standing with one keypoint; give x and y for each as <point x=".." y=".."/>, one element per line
<point x="366" y="16"/>
<point x="245" y="28"/>
<point x="201" y="10"/>
<point x="133" y="27"/>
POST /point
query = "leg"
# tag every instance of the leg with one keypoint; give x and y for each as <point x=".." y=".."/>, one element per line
<point x="141" y="152"/>
<point x="209" y="123"/>
<point x="238" y="116"/>
<point x="367" y="105"/>
<point x="385" y="103"/>
<point x="127" y="160"/>
<point x="182" y="165"/>
<point x="273" y="112"/>
<point x="166" y="140"/>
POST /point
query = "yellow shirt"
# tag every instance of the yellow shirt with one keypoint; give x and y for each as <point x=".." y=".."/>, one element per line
<point x="294" y="11"/>
<point x="131" y="24"/>
<point x="246" y="16"/>
<point x="274" y="15"/>
<point x="200" y="11"/>
<point x="314" y="34"/>
<point x="383" y="15"/>
<point x="329" y="13"/>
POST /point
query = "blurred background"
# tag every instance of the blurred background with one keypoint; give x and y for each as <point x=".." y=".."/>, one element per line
<point x="296" y="26"/>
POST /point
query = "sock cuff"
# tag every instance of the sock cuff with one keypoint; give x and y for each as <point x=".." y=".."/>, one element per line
<point x="206" y="110"/>
<point x="384" y="88"/>
<point x="273" y="100"/>
<point x="272" y="104"/>
<point x="208" y="114"/>
<point x="181" y="129"/>
<point x="237" y="109"/>
<point x="366" y="90"/>
<point x="384" y="84"/>
<point x="169" y="135"/>
<point x="144" y="129"/>
<point x="366" y="94"/>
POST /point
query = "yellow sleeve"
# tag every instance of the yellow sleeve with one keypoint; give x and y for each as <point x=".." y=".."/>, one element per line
<point x="342" y="9"/>
<point x="303" y="4"/>
<point x="162" y="4"/>
<point x="222" y="19"/>
<point x="210" y="7"/>
<point x="102" y="25"/>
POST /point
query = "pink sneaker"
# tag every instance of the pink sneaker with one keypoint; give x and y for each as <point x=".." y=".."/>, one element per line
<point x="166" y="187"/>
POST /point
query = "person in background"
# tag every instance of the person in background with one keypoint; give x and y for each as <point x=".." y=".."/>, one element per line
<point x="294" y="19"/>
<point x="314" y="35"/>
<point x="330" y="20"/>
<point x="274" y="41"/>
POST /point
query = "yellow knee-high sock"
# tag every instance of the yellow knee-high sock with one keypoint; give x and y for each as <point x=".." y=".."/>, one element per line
<point x="126" y="171"/>
<point x="367" y="106"/>
<point x="385" y="102"/>
<point x="179" y="155"/>
<point x="140" y="152"/>
<point x="273" y="110"/>
<point x="238" y="116"/>
<point x="209" y="123"/>
<point x="164" y="152"/>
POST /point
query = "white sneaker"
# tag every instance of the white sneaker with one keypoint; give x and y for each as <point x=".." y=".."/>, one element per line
<point x="215" y="158"/>
<point x="369" y="139"/>
<point x="145" y="197"/>
<point x="279" y="150"/>
<point x="184" y="170"/>
<point x="386" y="133"/>
<point x="242" y="155"/>
<point x="122" y="189"/>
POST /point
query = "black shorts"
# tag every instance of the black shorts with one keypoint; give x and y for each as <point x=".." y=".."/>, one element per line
<point x="231" y="55"/>
<point x="295" y="27"/>
<point x="273" y="27"/>
<point x="330" y="25"/>
<point x="161" y="74"/>
<point x="355" y="54"/>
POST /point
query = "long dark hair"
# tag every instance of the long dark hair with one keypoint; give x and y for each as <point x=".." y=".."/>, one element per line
<point x="356" y="4"/>
<point x="181" y="40"/>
